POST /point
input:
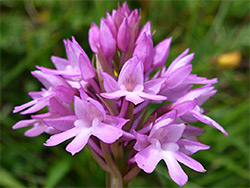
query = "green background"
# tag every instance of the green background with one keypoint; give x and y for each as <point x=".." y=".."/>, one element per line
<point x="32" y="31"/>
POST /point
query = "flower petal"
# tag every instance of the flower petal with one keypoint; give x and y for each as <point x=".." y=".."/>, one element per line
<point x="174" y="79"/>
<point x="207" y="120"/>
<point x="174" y="169"/>
<point x="134" y="98"/>
<point x="116" y="121"/>
<point x="107" y="133"/>
<point x="148" y="158"/>
<point x="152" y="96"/>
<point x="161" y="52"/>
<point x="131" y="73"/>
<point x="109" y="83"/>
<point x="59" y="62"/>
<point x="62" y="123"/>
<point x="184" y="107"/>
<point x="107" y="41"/>
<point x="141" y="141"/>
<point x="189" y="147"/>
<point x="24" y="123"/>
<point x="87" y="70"/>
<point x="153" y="86"/>
<point x="188" y="161"/>
<point x="94" y="37"/>
<point x="36" y="130"/>
<point x="113" y="95"/>
<point x="78" y="143"/>
<point x="61" y="137"/>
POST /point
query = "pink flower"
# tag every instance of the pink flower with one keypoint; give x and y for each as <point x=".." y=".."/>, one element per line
<point x="164" y="142"/>
<point x="90" y="119"/>
<point x="131" y="84"/>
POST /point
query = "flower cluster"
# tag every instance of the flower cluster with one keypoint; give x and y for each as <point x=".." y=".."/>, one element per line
<point x="104" y="103"/>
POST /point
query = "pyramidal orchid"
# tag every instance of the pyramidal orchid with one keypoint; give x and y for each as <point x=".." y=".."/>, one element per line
<point x="105" y="103"/>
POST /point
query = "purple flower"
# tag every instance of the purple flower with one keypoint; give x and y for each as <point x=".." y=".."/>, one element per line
<point x="55" y="86"/>
<point x="201" y="95"/>
<point x="123" y="66"/>
<point x="102" y="38"/>
<point x="76" y="68"/>
<point x="56" y="109"/>
<point x="144" y="51"/>
<point x="123" y="36"/>
<point x="164" y="142"/>
<point x="90" y="119"/>
<point x="131" y="84"/>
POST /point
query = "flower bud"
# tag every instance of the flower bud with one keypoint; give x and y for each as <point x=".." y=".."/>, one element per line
<point x="111" y="24"/>
<point x="106" y="39"/>
<point x="145" y="29"/>
<point x="123" y="36"/>
<point x="94" y="37"/>
<point x="144" y="51"/>
<point x="161" y="52"/>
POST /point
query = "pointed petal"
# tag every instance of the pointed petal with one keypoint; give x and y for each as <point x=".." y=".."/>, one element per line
<point x="35" y="94"/>
<point x="107" y="41"/>
<point x="175" y="93"/>
<point x="63" y="123"/>
<point x="123" y="35"/>
<point x="164" y="120"/>
<point x="89" y="108"/>
<point x="174" y="132"/>
<point x="65" y="72"/>
<point x="177" y="76"/>
<point x="116" y="121"/>
<point x="145" y="29"/>
<point x="184" y="107"/>
<point x="24" y="123"/>
<point x="65" y="94"/>
<point x="38" y="106"/>
<point x="194" y="79"/>
<point x="61" y="137"/>
<point x="59" y="62"/>
<point x="153" y="86"/>
<point x="195" y="93"/>
<point x="94" y="37"/>
<point x="86" y="68"/>
<point x="189" y="147"/>
<point x="109" y="83"/>
<point x="207" y="120"/>
<point x="148" y="158"/>
<point x="181" y="62"/>
<point x="141" y="141"/>
<point x="191" y="131"/>
<point x="144" y="51"/>
<point x="59" y="108"/>
<point x="36" y="130"/>
<point x="49" y="80"/>
<point x="113" y="95"/>
<point x="203" y="98"/>
<point x="26" y="105"/>
<point x="188" y="161"/>
<point x="131" y="73"/>
<point x="152" y="96"/>
<point x="161" y="52"/>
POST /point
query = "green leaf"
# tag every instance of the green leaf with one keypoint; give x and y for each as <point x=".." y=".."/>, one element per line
<point x="8" y="180"/>
<point x="57" y="172"/>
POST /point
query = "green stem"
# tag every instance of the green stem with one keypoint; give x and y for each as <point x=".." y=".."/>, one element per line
<point x="115" y="176"/>
<point x="129" y="115"/>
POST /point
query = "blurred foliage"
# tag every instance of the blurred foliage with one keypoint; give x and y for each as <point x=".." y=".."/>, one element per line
<point x="32" y="31"/>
